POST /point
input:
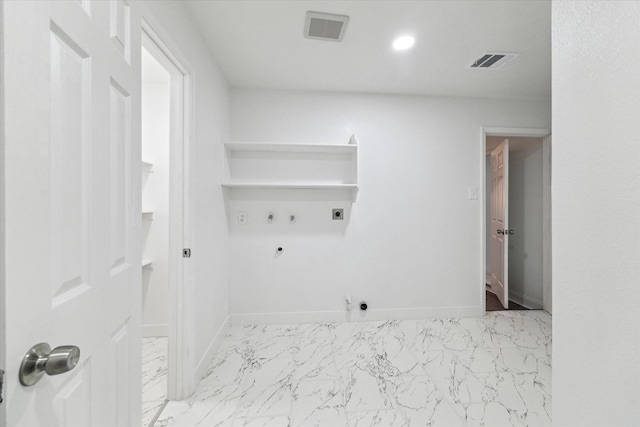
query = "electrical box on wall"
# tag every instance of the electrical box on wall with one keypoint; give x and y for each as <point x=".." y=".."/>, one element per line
<point x="337" y="214"/>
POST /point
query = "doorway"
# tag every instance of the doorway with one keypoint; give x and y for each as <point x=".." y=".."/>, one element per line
<point x="155" y="102"/>
<point x="165" y="212"/>
<point x="517" y="253"/>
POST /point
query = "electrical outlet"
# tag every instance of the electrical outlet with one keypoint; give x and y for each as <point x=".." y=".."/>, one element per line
<point x="242" y="217"/>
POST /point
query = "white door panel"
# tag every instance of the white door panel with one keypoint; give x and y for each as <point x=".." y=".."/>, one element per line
<point x="499" y="222"/>
<point x="72" y="87"/>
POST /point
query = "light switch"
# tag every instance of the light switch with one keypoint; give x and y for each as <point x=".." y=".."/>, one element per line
<point x="473" y="193"/>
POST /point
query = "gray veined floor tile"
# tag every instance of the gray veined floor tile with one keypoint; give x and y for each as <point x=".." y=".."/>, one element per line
<point x="318" y="403"/>
<point x="276" y="421"/>
<point x="380" y="418"/>
<point x="154" y="376"/>
<point x="422" y="404"/>
<point x="494" y="370"/>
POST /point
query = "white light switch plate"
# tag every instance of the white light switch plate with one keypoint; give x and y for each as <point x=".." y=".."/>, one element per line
<point x="473" y="193"/>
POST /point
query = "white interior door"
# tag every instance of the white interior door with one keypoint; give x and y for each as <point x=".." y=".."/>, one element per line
<point x="72" y="157"/>
<point x="500" y="222"/>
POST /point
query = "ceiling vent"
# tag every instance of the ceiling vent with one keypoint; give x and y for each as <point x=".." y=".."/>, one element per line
<point x="325" y="26"/>
<point x="493" y="61"/>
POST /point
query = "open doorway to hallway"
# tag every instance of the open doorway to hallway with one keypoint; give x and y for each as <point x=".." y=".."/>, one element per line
<point x="517" y="220"/>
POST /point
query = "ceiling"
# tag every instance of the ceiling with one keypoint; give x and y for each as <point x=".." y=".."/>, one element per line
<point x="260" y="44"/>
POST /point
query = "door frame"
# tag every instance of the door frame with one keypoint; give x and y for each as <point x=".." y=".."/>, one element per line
<point x="180" y="372"/>
<point x="3" y="248"/>
<point x="546" y="209"/>
<point x="546" y="224"/>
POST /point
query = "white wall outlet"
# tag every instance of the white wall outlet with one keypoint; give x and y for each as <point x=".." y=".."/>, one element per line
<point x="473" y="193"/>
<point x="243" y="218"/>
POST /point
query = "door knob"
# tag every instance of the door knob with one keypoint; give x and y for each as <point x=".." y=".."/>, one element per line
<point x="40" y="360"/>
<point x="500" y="231"/>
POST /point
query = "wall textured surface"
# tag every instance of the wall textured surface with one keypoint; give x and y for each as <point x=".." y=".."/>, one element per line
<point x="596" y="213"/>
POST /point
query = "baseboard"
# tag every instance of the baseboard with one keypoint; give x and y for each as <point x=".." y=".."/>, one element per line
<point x="159" y="330"/>
<point x="355" y="315"/>
<point x="205" y="360"/>
<point x="525" y="301"/>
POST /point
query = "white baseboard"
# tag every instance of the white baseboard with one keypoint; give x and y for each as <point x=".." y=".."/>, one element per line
<point x="356" y="315"/>
<point x="525" y="301"/>
<point x="159" y="330"/>
<point x="205" y="360"/>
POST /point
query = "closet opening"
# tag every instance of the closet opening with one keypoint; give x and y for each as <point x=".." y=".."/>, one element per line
<point x="165" y="226"/>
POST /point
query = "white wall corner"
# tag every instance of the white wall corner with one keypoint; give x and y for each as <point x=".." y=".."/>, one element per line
<point x="204" y="362"/>
<point x="524" y="300"/>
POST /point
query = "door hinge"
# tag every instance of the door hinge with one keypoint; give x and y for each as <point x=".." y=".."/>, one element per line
<point x="186" y="253"/>
<point x="1" y="384"/>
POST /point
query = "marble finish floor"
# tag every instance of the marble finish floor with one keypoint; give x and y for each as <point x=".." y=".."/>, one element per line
<point x="154" y="377"/>
<point x="491" y="371"/>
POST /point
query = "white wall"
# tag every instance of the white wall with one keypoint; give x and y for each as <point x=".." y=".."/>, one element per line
<point x="487" y="215"/>
<point x="155" y="197"/>
<point x="410" y="244"/>
<point x="2" y="208"/>
<point x="209" y="128"/>
<point x="596" y="213"/>
<point x="525" y="218"/>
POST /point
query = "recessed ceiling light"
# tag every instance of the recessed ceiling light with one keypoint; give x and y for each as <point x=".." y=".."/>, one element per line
<point x="403" y="43"/>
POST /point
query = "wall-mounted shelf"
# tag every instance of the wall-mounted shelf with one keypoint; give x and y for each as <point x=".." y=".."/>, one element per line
<point x="291" y="186"/>
<point x="283" y="166"/>
<point x="146" y="263"/>
<point x="146" y="214"/>
<point x="266" y="147"/>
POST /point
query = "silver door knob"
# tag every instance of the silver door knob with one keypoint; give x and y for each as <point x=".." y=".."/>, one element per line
<point x="40" y="359"/>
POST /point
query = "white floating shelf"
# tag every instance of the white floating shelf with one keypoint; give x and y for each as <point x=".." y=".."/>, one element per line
<point x="291" y="148"/>
<point x="308" y="186"/>
<point x="352" y="188"/>
<point x="282" y="166"/>
<point x="146" y="263"/>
